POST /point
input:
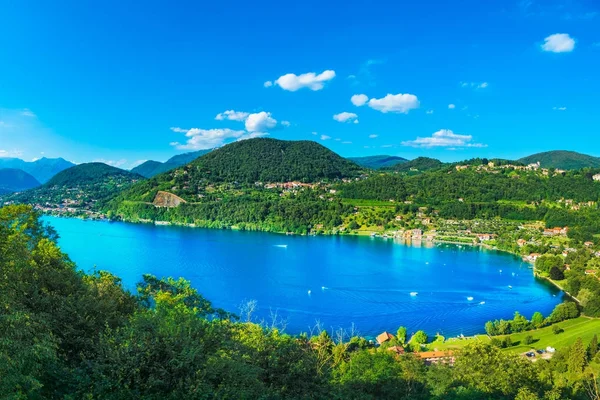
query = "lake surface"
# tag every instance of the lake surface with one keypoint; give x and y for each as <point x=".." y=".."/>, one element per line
<point x="335" y="280"/>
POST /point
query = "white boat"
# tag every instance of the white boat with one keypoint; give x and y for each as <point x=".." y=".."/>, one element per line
<point x="482" y="303"/>
<point x="413" y="294"/>
<point x="470" y="298"/>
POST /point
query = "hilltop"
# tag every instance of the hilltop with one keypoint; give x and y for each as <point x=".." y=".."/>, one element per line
<point x="42" y="170"/>
<point x="377" y="162"/>
<point x="271" y="160"/>
<point x="562" y="159"/>
<point x="418" y="164"/>
<point x="152" y="168"/>
<point x="14" y="180"/>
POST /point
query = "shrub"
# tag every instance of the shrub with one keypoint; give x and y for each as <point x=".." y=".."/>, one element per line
<point x="528" y="339"/>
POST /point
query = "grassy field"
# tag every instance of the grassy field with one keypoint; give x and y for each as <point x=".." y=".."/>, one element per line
<point x="582" y="327"/>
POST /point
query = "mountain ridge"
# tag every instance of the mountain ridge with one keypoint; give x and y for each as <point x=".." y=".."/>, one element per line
<point x="42" y="170"/>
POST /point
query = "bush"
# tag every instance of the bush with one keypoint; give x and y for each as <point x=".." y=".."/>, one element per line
<point x="507" y="342"/>
<point x="557" y="329"/>
<point x="528" y="339"/>
<point x="557" y="274"/>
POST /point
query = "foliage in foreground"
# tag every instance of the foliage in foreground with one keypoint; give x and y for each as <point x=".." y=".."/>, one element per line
<point x="68" y="335"/>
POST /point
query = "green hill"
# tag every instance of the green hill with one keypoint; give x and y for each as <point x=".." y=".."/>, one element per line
<point x="14" y="180"/>
<point x="42" y="169"/>
<point x="377" y="162"/>
<point x="85" y="185"/>
<point x="241" y="165"/>
<point x="562" y="159"/>
<point x="152" y="168"/>
<point x="418" y="164"/>
<point x="89" y="174"/>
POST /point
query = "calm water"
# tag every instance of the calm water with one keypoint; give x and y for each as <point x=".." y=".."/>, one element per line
<point x="335" y="280"/>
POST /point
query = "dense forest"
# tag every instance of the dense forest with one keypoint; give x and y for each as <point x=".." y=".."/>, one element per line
<point x="271" y="160"/>
<point x="70" y="335"/>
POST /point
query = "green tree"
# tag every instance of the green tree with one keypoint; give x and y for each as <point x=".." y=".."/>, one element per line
<point x="420" y="337"/>
<point x="592" y="348"/>
<point x="577" y="358"/>
<point x="401" y="335"/>
<point x="537" y="320"/>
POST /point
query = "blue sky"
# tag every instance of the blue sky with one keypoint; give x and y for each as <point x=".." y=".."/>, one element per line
<point x="452" y="80"/>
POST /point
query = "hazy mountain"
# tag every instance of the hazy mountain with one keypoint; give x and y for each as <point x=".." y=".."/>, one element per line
<point x="15" y="180"/>
<point x="151" y="168"/>
<point x="562" y="159"/>
<point x="377" y="162"/>
<point x="42" y="169"/>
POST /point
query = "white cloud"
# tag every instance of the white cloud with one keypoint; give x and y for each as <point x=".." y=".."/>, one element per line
<point x="429" y="112"/>
<point x="199" y="139"/>
<point x="359" y="99"/>
<point x="314" y="133"/>
<point x="559" y="108"/>
<point x="346" y="117"/>
<point x="28" y="113"/>
<point x="310" y="80"/>
<point x="232" y="115"/>
<point x="286" y="123"/>
<point x="268" y="84"/>
<point x="559" y="43"/>
<point x="10" y="153"/>
<point x="325" y="137"/>
<point x="476" y="85"/>
<point x="451" y="106"/>
<point x="443" y="138"/>
<point x="346" y="142"/>
<point x="396" y="103"/>
<point x="260" y="122"/>
<point x="373" y="136"/>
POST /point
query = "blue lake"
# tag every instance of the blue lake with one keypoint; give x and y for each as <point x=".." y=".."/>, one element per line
<point x="338" y="281"/>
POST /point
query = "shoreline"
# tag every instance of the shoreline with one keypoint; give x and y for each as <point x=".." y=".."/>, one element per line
<point x="432" y="243"/>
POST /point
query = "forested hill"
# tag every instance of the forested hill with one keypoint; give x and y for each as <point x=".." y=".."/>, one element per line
<point x="377" y="162"/>
<point x="83" y="185"/>
<point x="563" y="160"/>
<point x="152" y="168"/>
<point x="14" y="180"/>
<point x="420" y="164"/>
<point x="271" y="160"/>
<point x="89" y="174"/>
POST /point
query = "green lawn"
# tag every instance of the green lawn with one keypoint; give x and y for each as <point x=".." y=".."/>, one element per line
<point x="582" y="327"/>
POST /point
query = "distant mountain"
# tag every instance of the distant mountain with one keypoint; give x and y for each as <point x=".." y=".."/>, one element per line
<point x="186" y="158"/>
<point x="418" y="164"/>
<point x="152" y="168"/>
<point x="15" y="180"/>
<point x="84" y="185"/>
<point x="149" y="168"/>
<point x="562" y="159"/>
<point x="377" y="162"/>
<point x="42" y="169"/>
